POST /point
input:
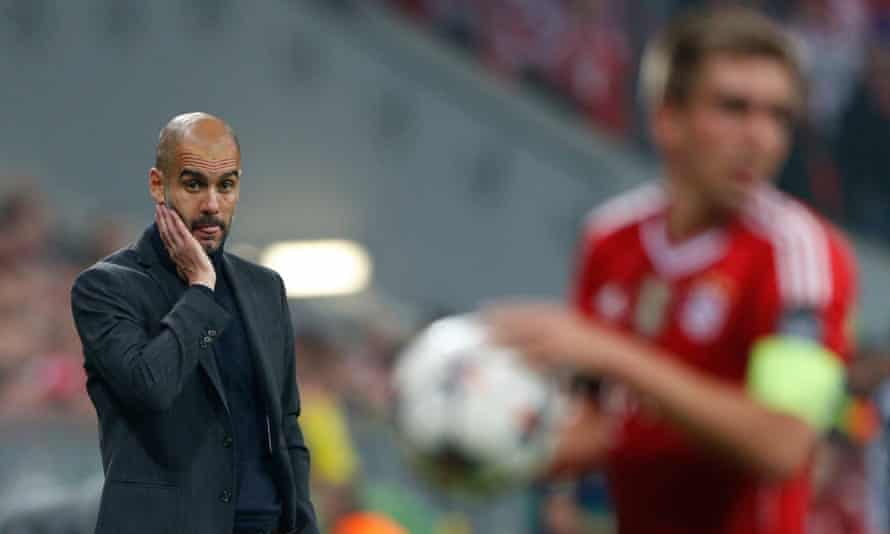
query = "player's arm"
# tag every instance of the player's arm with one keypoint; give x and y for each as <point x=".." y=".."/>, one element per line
<point x="770" y="427"/>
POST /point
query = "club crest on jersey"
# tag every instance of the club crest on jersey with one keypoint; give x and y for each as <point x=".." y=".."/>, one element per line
<point x="652" y="305"/>
<point x="611" y="302"/>
<point x="704" y="312"/>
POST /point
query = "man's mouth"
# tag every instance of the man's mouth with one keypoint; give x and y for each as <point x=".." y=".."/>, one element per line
<point x="207" y="232"/>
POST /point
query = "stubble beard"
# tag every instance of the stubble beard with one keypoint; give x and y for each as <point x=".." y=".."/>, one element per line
<point x="209" y="248"/>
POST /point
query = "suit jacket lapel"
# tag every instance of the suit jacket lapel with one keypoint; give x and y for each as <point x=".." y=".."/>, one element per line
<point x="172" y="287"/>
<point x="253" y="315"/>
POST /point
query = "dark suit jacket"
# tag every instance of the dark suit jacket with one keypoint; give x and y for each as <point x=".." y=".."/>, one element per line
<point x="165" y="427"/>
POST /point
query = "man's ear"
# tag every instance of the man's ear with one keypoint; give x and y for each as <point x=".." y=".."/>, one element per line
<point x="156" y="185"/>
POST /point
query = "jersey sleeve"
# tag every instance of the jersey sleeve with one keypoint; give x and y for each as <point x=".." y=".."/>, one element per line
<point x="809" y="291"/>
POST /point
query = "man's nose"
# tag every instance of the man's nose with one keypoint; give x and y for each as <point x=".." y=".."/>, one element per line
<point x="211" y="202"/>
<point x="764" y="132"/>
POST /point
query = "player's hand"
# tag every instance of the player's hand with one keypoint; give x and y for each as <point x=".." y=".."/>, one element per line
<point x="192" y="262"/>
<point x="583" y="442"/>
<point x="550" y="336"/>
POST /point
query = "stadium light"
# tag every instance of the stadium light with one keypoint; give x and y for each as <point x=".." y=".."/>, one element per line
<point x="319" y="268"/>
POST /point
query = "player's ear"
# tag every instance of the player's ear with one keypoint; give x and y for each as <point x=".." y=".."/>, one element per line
<point x="156" y="185"/>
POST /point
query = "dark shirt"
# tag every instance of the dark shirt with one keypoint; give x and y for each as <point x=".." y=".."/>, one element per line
<point x="257" y="505"/>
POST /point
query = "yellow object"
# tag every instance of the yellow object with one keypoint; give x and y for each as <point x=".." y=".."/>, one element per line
<point x="797" y="376"/>
<point x="327" y="437"/>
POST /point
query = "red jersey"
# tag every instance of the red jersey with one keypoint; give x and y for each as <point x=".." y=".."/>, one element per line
<point x="777" y="268"/>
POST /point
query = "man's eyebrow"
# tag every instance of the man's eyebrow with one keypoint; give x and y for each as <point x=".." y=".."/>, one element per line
<point x="236" y="173"/>
<point x="192" y="172"/>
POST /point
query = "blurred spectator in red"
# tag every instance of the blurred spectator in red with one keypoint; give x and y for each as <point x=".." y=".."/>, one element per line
<point x="522" y="39"/>
<point x="41" y="370"/>
<point x="576" y="52"/>
<point x="24" y="280"/>
<point x="24" y="221"/>
<point x="594" y="63"/>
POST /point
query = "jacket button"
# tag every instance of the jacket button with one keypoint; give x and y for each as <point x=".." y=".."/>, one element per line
<point x="227" y="441"/>
<point x="207" y="339"/>
<point x="225" y="496"/>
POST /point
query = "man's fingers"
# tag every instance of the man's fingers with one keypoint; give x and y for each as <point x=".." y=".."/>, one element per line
<point x="184" y="236"/>
<point x="179" y="234"/>
<point x="163" y="229"/>
<point x="173" y="228"/>
<point x="159" y="218"/>
<point x="536" y="360"/>
<point x="178" y="224"/>
<point x="582" y="442"/>
<point x="514" y="329"/>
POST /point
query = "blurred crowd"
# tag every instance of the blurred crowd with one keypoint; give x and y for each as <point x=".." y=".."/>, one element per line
<point x="41" y="368"/>
<point x="583" y="56"/>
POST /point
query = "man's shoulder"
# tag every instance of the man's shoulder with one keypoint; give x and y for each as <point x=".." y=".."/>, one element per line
<point x="117" y="273"/>
<point x="623" y="213"/>
<point x="123" y="262"/>
<point x="780" y="220"/>
<point x="810" y="255"/>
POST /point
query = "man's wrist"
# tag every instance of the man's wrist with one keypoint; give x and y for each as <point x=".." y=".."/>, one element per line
<point x="209" y="284"/>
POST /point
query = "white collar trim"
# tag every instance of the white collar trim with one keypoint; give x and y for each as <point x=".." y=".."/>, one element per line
<point x="674" y="260"/>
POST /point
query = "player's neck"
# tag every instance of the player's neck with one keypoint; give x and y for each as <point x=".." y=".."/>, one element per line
<point x="690" y="214"/>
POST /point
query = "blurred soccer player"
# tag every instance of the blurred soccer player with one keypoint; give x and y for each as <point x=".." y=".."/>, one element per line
<point x="712" y="307"/>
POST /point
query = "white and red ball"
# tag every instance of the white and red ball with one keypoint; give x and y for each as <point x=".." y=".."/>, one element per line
<point x="473" y="415"/>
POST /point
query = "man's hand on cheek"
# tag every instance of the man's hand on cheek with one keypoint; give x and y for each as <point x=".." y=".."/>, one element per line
<point x="190" y="258"/>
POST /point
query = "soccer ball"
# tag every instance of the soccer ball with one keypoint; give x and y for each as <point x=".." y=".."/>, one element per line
<point x="472" y="414"/>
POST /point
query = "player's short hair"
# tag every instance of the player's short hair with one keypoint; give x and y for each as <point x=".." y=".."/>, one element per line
<point x="673" y="58"/>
